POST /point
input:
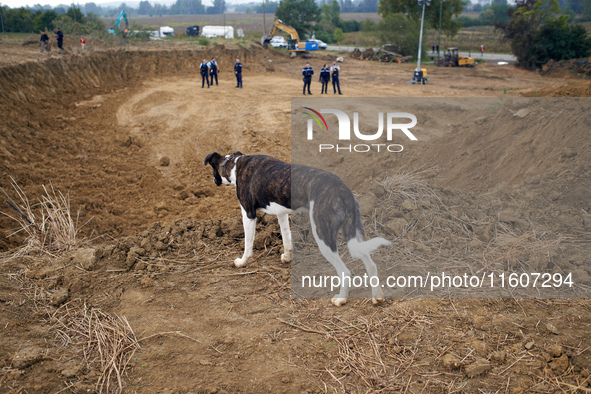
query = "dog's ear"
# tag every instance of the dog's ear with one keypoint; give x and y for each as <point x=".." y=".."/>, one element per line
<point x="238" y="153"/>
<point x="211" y="157"/>
<point x="213" y="160"/>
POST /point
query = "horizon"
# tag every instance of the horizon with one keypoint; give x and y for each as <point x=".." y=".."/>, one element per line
<point x="102" y="3"/>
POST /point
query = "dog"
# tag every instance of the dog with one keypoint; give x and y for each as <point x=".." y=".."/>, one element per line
<point x="275" y="187"/>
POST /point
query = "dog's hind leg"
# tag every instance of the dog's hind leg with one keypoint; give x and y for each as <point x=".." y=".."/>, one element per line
<point x="249" y="232"/>
<point x="333" y="257"/>
<point x="361" y="251"/>
<point x="283" y="220"/>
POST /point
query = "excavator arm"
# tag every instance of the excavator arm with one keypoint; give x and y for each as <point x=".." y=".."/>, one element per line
<point x="279" y="25"/>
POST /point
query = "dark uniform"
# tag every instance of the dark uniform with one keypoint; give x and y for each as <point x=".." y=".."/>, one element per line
<point x="60" y="39"/>
<point x="307" y="72"/>
<point x="204" y="77"/>
<point x="238" y="72"/>
<point x="335" y="78"/>
<point x="44" y="41"/>
<point x="213" y="71"/>
<point x="325" y="79"/>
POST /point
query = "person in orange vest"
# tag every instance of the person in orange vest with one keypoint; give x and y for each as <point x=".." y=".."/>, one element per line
<point x="82" y="41"/>
<point x="481" y="50"/>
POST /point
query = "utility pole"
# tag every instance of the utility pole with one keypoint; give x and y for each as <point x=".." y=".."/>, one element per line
<point x="2" y="17"/>
<point x="440" y="14"/>
<point x="424" y="3"/>
<point x="264" y="20"/>
<point x="418" y="76"/>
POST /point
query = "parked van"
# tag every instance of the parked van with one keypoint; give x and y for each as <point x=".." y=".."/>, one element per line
<point x="166" y="31"/>
<point x="218" y="31"/>
<point x="193" y="31"/>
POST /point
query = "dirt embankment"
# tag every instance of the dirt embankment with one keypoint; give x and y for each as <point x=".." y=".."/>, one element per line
<point x="58" y="127"/>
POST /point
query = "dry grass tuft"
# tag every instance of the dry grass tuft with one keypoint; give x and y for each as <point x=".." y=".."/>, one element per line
<point x="48" y="225"/>
<point x="404" y="185"/>
<point x="107" y="341"/>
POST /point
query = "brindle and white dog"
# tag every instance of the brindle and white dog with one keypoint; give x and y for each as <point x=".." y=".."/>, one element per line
<point x="279" y="188"/>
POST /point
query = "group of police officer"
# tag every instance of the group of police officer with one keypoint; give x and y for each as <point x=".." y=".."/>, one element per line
<point x="325" y="75"/>
<point x="211" y="70"/>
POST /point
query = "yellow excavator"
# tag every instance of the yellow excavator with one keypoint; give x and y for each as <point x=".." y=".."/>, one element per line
<point x="294" y="45"/>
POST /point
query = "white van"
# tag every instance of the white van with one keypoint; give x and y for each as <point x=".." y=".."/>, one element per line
<point x="166" y="31"/>
<point x="218" y="31"/>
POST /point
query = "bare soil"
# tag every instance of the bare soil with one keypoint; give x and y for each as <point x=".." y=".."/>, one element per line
<point x="100" y="125"/>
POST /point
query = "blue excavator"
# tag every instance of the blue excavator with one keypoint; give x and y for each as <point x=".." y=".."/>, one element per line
<point x="122" y="16"/>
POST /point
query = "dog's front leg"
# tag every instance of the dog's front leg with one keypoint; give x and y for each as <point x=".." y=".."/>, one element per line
<point x="249" y="231"/>
<point x="283" y="220"/>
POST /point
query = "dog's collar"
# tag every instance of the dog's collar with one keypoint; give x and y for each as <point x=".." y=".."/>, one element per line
<point x="226" y="160"/>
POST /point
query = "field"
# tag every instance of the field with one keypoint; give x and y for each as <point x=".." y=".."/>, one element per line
<point x="148" y="299"/>
<point x="253" y="26"/>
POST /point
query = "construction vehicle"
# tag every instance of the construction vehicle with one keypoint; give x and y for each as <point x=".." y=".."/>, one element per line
<point x="452" y="58"/>
<point x="294" y="45"/>
<point x="122" y="16"/>
<point x="419" y="77"/>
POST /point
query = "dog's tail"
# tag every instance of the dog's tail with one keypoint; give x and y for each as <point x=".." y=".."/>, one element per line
<point x="358" y="245"/>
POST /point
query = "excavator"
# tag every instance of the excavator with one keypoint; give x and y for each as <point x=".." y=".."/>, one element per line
<point x="294" y="45"/>
<point x="122" y="16"/>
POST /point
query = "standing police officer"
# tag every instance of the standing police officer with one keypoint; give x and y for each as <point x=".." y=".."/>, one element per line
<point x="307" y="72"/>
<point x="335" y="69"/>
<point x="324" y="78"/>
<point x="59" y="35"/>
<point x="213" y="70"/>
<point x="204" y="69"/>
<point x="238" y="72"/>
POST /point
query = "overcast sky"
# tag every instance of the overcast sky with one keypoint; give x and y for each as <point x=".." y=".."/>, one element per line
<point x="53" y="3"/>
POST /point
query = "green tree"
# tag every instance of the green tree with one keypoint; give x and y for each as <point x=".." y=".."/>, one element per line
<point x="400" y="31"/>
<point x="559" y="40"/>
<point x="411" y="8"/>
<point x="299" y="14"/>
<point x="44" y="20"/>
<point x="76" y="14"/>
<point x="187" y="7"/>
<point x="538" y="32"/>
<point x="219" y="7"/>
<point x="144" y="8"/>
<point x="338" y="35"/>
<point x="587" y="10"/>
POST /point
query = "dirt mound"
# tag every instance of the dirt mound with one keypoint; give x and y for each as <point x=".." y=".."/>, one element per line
<point x="570" y="89"/>
<point x="60" y="111"/>
<point x="580" y="68"/>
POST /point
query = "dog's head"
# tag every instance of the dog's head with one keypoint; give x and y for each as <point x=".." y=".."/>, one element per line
<point x="223" y="167"/>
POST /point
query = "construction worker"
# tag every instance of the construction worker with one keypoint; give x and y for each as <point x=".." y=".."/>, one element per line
<point x="482" y="51"/>
<point x="238" y="72"/>
<point x="60" y="39"/>
<point x="307" y="72"/>
<point x="82" y="41"/>
<point x="204" y="69"/>
<point x="335" y="70"/>
<point x="325" y="78"/>
<point x="213" y="70"/>
<point x="44" y="41"/>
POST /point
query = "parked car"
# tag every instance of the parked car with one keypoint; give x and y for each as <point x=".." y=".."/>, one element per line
<point x="278" y="42"/>
<point x="321" y="44"/>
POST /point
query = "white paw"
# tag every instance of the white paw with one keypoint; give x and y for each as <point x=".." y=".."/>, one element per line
<point x="377" y="301"/>
<point x="240" y="262"/>
<point x="338" y="301"/>
<point x="286" y="258"/>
